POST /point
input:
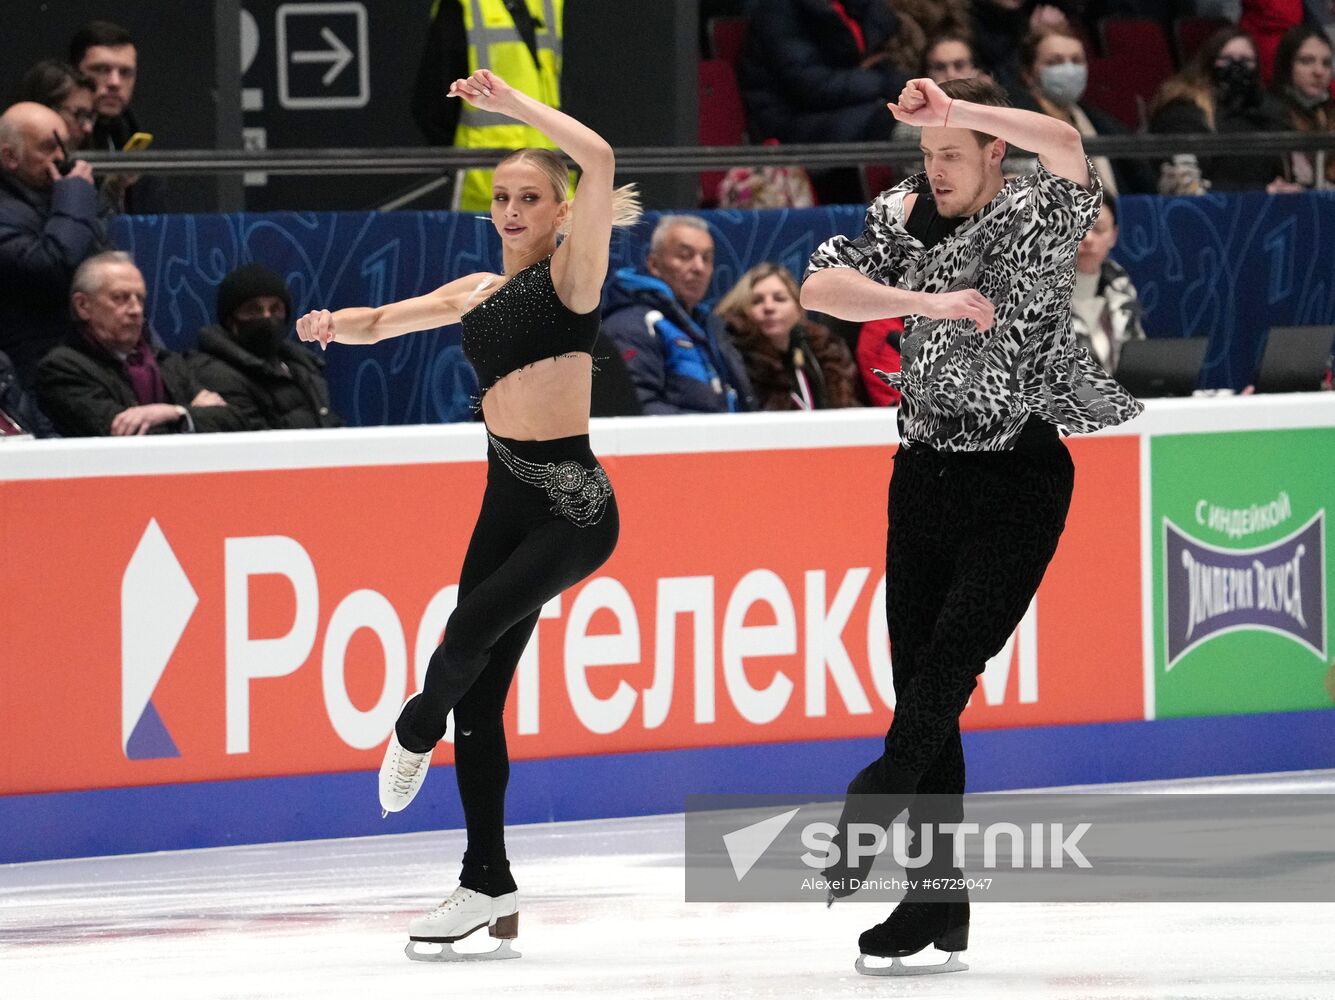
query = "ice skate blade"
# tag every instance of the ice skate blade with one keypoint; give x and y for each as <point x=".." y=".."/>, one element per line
<point x="898" y="968"/>
<point x="448" y="954"/>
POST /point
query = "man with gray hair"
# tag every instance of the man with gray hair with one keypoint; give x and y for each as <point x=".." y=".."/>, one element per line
<point x="679" y="357"/>
<point x="49" y="222"/>
<point x="107" y="379"/>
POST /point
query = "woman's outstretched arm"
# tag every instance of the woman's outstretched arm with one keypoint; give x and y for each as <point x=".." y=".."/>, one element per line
<point x="580" y="266"/>
<point x="363" y="325"/>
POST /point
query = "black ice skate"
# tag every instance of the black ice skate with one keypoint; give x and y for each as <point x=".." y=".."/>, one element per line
<point x="875" y="797"/>
<point x="912" y="926"/>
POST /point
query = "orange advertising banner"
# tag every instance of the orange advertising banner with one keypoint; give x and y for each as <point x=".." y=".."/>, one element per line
<point x="197" y="625"/>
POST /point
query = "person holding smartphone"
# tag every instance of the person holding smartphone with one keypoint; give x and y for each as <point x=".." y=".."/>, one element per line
<point x="107" y="53"/>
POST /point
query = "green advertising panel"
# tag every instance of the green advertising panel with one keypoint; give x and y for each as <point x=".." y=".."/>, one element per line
<point x="1242" y="571"/>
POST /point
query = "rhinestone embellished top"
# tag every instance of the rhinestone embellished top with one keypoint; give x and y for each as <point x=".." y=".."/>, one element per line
<point x="522" y="322"/>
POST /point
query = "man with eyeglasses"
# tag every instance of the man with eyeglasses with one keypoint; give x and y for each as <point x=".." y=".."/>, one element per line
<point x="49" y="224"/>
<point x="107" y="53"/>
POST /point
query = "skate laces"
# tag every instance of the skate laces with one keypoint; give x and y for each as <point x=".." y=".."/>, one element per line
<point x="456" y="898"/>
<point x="407" y="765"/>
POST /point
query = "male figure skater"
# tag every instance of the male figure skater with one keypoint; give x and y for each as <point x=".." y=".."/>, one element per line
<point x="982" y="269"/>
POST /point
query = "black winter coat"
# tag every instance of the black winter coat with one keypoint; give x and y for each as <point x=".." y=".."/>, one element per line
<point x="148" y="194"/>
<point x="288" y="391"/>
<point x="800" y="73"/>
<point x="44" y="237"/>
<point x="20" y="406"/>
<point x="82" y="387"/>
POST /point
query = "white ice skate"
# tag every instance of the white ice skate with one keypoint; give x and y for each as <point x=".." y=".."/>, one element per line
<point x="401" y="775"/>
<point x="463" y="913"/>
<point x="897" y="967"/>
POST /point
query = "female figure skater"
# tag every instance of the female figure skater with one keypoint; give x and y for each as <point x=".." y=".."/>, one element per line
<point x="548" y="516"/>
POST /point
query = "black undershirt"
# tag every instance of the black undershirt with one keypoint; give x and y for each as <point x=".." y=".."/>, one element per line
<point x="929" y="227"/>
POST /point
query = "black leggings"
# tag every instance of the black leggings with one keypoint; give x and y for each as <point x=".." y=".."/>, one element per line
<point x="521" y="555"/>
<point x="970" y="536"/>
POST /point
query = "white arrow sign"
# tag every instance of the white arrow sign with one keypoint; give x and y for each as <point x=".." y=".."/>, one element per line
<point x="338" y="54"/>
<point x="342" y="27"/>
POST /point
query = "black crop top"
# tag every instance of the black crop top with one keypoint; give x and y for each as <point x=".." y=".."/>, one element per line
<point x="524" y="321"/>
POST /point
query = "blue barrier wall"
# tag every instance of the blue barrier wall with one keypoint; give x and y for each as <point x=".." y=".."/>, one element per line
<point x="1226" y="266"/>
<point x="262" y="810"/>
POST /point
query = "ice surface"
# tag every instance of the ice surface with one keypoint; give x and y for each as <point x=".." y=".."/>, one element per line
<point x="601" y="914"/>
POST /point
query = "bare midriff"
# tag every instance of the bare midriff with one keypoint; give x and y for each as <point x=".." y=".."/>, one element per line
<point x="543" y="401"/>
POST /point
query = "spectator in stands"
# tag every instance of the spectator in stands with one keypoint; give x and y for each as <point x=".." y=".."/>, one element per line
<point x="1000" y="25"/>
<point x="267" y="378"/>
<point x="792" y="362"/>
<point x="879" y="342"/>
<point x="1105" y="310"/>
<point x="820" y="71"/>
<point x="19" y="413"/>
<point x="678" y="355"/>
<point x="949" y="57"/>
<point x="1055" y="71"/>
<point x="107" y="379"/>
<point x="68" y="92"/>
<point x="921" y="21"/>
<point x="1219" y="91"/>
<point x="517" y="44"/>
<point x="106" y="52"/>
<point x="49" y="224"/>
<point x="946" y="57"/>
<point x="1303" y="83"/>
<point x="1266" y="21"/>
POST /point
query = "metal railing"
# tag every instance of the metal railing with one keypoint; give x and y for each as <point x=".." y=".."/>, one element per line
<point x="665" y="160"/>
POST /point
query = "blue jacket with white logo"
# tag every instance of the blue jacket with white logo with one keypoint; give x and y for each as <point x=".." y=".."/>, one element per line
<point x="679" y="361"/>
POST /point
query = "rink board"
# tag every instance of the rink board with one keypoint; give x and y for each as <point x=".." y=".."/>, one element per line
<point x="226" y="626"/>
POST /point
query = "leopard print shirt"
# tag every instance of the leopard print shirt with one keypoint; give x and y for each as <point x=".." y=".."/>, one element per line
<point x="965" y="390"/>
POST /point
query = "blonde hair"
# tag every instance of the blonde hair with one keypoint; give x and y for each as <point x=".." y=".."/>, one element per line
<point x="736" y="305"/>
<point x="625" y="199"/>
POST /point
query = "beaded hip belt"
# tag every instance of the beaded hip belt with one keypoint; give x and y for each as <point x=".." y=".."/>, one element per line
<point x="577" y="493"/>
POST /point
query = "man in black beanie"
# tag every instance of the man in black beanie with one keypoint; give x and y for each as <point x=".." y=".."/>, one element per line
<point x="247" y="358"/>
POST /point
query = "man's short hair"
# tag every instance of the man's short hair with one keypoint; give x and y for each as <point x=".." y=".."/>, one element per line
<point x="113" y="36"/>
<point x="668" y="222"/>
<point x="977" y="90"/>
<point x="86" y="276"/>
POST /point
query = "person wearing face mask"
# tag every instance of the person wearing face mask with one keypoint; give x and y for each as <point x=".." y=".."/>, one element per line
<point x="270" y="380"/>
<point x="1303" y="83"/>
<point x="999" y="26"/>
<point x="1219" y="91"/>
<point x="793" y="363"/>
<point x="1055" y="71"/>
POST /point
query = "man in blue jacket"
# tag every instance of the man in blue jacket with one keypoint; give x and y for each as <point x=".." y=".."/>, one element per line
<point x="679" y="357"/>
<point x="49" y="224"/>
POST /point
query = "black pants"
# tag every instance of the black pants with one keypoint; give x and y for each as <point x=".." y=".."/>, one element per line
<point x="521" y="555"/>
<point x="970" y="536"/>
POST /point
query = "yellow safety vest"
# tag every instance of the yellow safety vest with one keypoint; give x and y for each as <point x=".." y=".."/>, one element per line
<point x="495" y="43"/>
